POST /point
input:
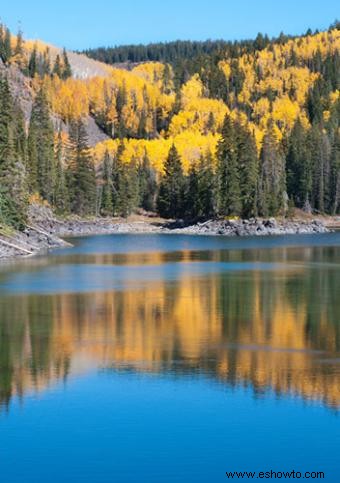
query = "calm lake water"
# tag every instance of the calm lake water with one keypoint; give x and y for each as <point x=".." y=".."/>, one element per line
<point x="158" y="358"/>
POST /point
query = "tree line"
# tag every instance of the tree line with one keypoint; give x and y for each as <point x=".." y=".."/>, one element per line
<point x="302" y="171"/>
<point x="189" y="57"/>
<point x="181" y="50"/>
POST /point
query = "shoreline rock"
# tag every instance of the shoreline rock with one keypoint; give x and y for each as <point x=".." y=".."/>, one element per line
<point x="32" y="241"/>
<point x="45" y="231"/>
<point x="254" y="227"/>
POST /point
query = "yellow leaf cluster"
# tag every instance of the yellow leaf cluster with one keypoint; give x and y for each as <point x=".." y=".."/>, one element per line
<point x="153" y="73"/>
<point x="69" y="98"/>
<point x="190" y="147"/>
<point x="272" y="89"/>
<point x="196" y="110"/>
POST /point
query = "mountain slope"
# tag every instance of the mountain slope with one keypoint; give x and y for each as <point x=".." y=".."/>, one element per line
<point x="251" y="129"/>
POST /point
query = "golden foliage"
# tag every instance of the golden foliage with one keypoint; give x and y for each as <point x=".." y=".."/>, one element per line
<point x="271" y="89"/>
<point x="197" y="111"/>
<point x="190" y="146"/>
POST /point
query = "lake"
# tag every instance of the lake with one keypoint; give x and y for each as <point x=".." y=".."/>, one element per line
<point x="168" y="358"/>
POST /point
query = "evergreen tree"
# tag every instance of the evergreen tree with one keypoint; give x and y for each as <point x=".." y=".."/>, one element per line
<point x="167" y="79"/>
<point x="147" y="184"/>
<point x="192" y="198"/>
<point x="19" y="46"/>
<point x="170" y="202"/>
<point x="5" y="44"/>
<point x="12" y="170"/>
<point x="46" y="63"/>
<point x="314" y="103"/>
<point x="320" y="149"/>
<point x="210" y="127"/>
<point x="41" y="162"/>
<point x="81" y="172"/>
<point x="229" y="192"/>
<point x="335" y="175"/>
<point x="248" y="168"/>
<point x="206" y="187"/>
<point x="20" y="138"/>
<point x="125" y="184"/>
<point x="106" y="205"/>
<point x="2" y="35"/>
<point x="142" y="131"/>
<point x="33" y="62"/>
<point x="272" y="183"/>
<point x="298" y="166"/>
<point x="129" y="188"/>
<point x="66" y="69"/>
<point x="61" y="195"/>
<point x="57" y="67"/>
<point x="19" y="55"/>
<point x="121" y="100"/>
<point x="117" y="175"/>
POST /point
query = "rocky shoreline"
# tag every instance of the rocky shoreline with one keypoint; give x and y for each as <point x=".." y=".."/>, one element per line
<point x="45" y="231"/>
<point x="253" y="227"/>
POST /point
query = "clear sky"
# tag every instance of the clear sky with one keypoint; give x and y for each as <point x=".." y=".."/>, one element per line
<point x="77" y="24"/>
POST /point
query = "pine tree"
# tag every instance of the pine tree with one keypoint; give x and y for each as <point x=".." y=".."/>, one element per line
<point x="229" y="196"/>
<point x="129" y="188"/>
<point x="2" y="35"/>
<point x="192" y="198"/>
<point x="12" y="170"/>
<point x="335" y="175"/>
<point x="248" y="167"/>
<point x="167" y="79"/>
<point x="20" y="138"/>
<point x="170" y="202"/>
<point x="46" y="63"/>
<point x="5" y="44"/>
<point x="320" y="149"/>
<point x="314" y="103"/>
<point x="61" y="195"/>
<point x="81" y="172"/>
<point x="147" y="184"/>
<point x="41" y="163"/>
<point x="117" y="175"/>
<point x="106" y="205"/>
<point x="141" y="132"/>
<point x="33" y="62"/>
<point x="210" y="127"/>
<point x="272" y="183"/>
<point x="66" y="69"/>
<point x="121" y="100"/>
<point x="19" y="44"/>
<point x="206" y="186"/>
<point x="19" y="55"/>
<point x="298" y="166"/>
<point x="125" y="184"/>
<point x="57" y="68"/>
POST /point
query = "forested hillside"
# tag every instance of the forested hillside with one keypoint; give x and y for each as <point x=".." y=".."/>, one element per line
<point x="190" y="129"/>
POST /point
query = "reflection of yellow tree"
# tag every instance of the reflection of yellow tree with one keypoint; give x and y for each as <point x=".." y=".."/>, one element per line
<point x="259" y="328"/>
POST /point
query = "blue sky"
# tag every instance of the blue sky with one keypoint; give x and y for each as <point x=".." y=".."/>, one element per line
<point x="78" y="24"/>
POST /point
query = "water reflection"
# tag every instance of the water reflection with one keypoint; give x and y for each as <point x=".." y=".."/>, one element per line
<point x="269" y="319"/>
